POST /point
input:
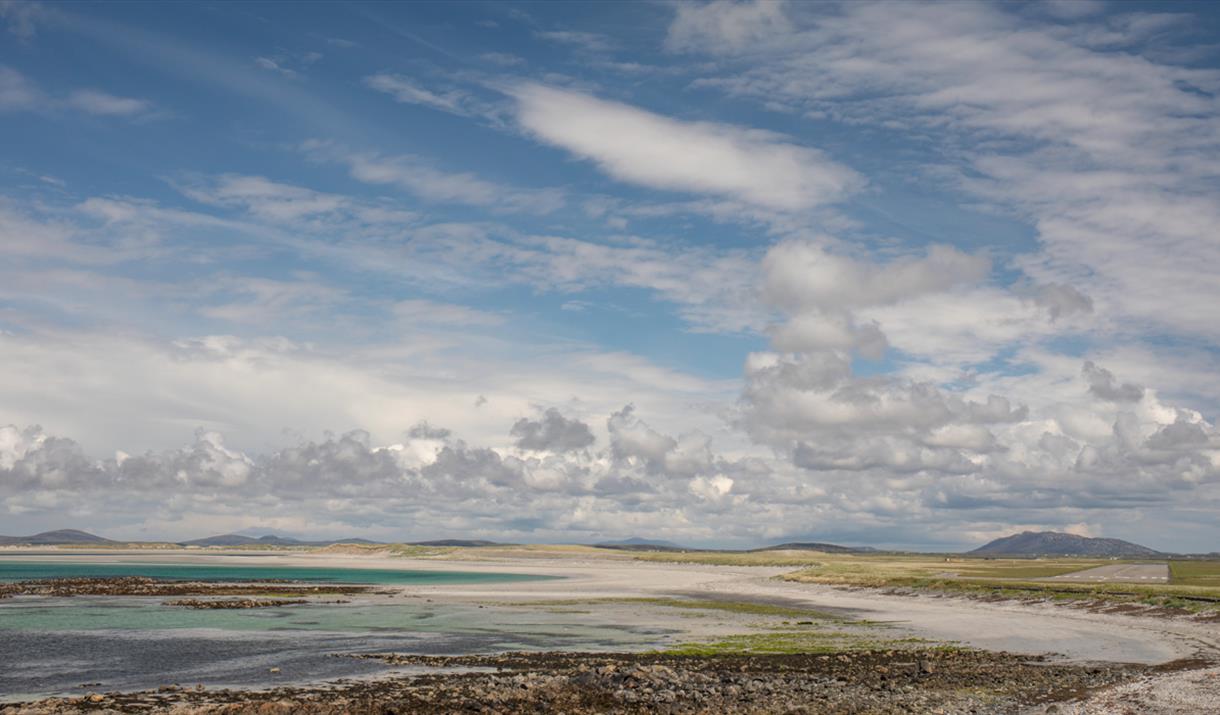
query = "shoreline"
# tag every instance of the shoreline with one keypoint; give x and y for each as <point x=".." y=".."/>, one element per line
<point x="938" y="680"/>
<point x="1001" y="625"/>
<point x="1150" y="651"/>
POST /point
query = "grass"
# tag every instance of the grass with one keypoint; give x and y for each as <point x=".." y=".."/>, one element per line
<point x="881" y="569"/>
<point x="1192" y="583"/>
<point x="1195" y="573"/>
<point x="725" y="558"/>
<point x="782" y="643"/>
<point x="1188" y="598"/>
<point x="807" y="642"/>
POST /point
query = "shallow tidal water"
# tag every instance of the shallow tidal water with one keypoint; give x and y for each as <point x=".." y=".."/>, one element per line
<point x="63" y="646"/>
<point x="15" y="569"/>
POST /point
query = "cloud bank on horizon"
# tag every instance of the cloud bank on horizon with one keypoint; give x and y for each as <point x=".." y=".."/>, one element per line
<point x="720" y="273"/>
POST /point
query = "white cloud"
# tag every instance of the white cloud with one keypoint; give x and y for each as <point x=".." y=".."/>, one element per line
<point x="1107" y="152"/>
<point x="804" y="274"/>
<point x="93" y="101"/>
<point x="1072" y="9"/>
<point x="726" y="25"/>
<point x="18" y="93"/>
<point x="551" y="433"/>
<point x="408" y="91"/>
<point x="641" y="147"/>
<point x="418" y="311"/>
<point x="423" y="179"/>
<point x="272" y="65"/>
<point x="833" y="301"/>
<point x="264" y="198"/>
<point x="21" y="17"/>
<point x="586" y="41"/>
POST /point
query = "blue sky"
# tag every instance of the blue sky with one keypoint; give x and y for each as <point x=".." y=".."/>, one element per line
<point x="903" y="274"/>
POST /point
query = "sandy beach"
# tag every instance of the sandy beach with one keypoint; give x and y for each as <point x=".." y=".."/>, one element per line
<point x="613" y="586"/>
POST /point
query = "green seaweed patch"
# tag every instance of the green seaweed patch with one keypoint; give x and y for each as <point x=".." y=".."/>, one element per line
<point x="804" y="642"/>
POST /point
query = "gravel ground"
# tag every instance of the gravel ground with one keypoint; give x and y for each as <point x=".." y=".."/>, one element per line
<point x="949" y="682"/>
<point x="1186" y="693"/>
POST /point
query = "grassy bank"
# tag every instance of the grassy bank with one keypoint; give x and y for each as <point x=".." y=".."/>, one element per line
<point x="1194" y="584"/>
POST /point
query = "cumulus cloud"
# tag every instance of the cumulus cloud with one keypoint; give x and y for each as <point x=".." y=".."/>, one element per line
<point x="640" y="147"/>
<point x="893" y="444"/>
<point x="800" y="274"/>
<point x="632" y="439"/>
<point x="553" y="433"/>
<point x="443" y="482"/>
<point x="1104" y="385"/>
<point x="1106" y="150"/>
<point x="903" y="389"/>
<point x="1062" y="300"/>
<point x="901" y="475"/>
<point x="822" y="292"/>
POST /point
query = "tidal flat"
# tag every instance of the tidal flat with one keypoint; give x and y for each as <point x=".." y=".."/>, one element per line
<point x="570" y="630"/>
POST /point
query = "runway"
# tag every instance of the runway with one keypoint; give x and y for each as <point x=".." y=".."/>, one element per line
<point x="1119" y="573"/>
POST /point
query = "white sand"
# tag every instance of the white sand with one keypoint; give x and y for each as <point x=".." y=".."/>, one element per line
<point x="1034" y="629"/>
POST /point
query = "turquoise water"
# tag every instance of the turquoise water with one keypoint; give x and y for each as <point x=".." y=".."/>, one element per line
<point x="66" y="646"/>
<point x="30" y="570"/>
<point x="131" y="616"/>
<point x="70" y="646"/>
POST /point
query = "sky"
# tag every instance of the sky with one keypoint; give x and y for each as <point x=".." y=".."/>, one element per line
<point x="908" y="275"/>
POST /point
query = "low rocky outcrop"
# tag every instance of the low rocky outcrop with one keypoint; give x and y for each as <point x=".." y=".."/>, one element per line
<point x="236" y="603"/>
<point x="144" y="586"/>
<point x="949" y="682"/>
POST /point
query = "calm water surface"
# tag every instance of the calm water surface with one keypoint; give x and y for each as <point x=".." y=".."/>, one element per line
<point x="54" y="646"/>
<point x="22" y="570"/>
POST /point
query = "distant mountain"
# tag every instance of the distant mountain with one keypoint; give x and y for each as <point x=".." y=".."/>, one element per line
<point x="267" y="540"/>
<point x="457" y="542"/>
<point x="1054" y="543"/>
<point x="222" y="540"/>
<point x="816" y="546"/>
<point x="56" y="538"/>
<point x="637" y="543"/>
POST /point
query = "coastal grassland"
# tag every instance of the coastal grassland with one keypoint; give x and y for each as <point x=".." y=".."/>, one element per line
<point x="1194" y="586"/>
<point x="1195" y="573"/>
<point x="1192" y="599"/>
<point x="733" y="558"/>
<point x="881" y="569"/>
<point x="536" y="551"/>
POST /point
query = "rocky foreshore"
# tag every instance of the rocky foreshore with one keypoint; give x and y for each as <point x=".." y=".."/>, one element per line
<point x="144" y="586"/>
<point x="237" y="603"/>
<point x="883" y="682"/>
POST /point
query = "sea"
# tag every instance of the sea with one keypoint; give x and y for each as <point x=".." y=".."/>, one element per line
<point x="80" y="644"/>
